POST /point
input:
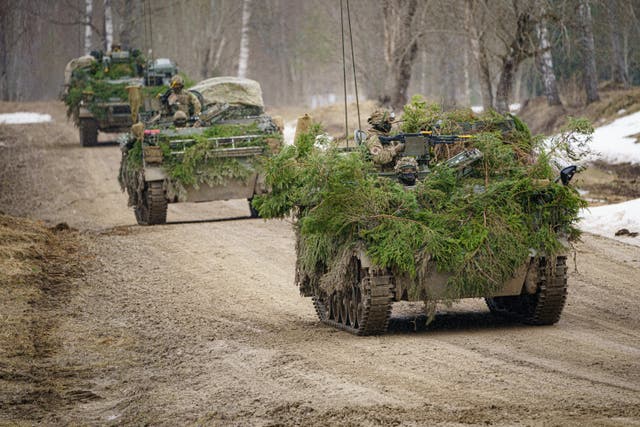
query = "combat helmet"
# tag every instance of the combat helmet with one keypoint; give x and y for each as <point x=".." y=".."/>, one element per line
<point x="381" y="120"/>
<point x="177" y="82"/>
<point x="180" y="119"/>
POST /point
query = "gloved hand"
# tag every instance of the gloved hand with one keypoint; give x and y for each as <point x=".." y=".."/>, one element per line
<point x="398" y="148"/>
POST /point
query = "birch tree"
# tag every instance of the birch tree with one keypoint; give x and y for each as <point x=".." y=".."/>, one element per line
<point x="243" y="60"/>
<point x="545" y="64"/>
<point x="587" y="46"/>
<point x="88" y="14"/>
<point x="108" y="26"/>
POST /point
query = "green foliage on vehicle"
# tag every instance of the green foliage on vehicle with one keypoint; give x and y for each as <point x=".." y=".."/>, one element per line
<point x="480" y="227"/>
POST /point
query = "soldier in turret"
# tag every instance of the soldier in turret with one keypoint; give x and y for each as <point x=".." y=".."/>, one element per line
<point x="387" y="156"/>
<point x="181" y="100"/>
<point x="383" y="155"/>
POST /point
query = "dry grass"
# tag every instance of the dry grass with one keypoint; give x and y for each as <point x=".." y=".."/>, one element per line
<point x="544" y="119"/>
<point x="37" y="269"/>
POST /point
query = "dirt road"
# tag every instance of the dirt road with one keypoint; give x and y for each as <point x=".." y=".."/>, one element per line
<point x="200" y="323"/>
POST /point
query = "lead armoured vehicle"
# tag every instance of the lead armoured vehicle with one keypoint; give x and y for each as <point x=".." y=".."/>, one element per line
<point x="95" y="89"/>
<point x="467" y="212"/>
<point x="214" y="156"/>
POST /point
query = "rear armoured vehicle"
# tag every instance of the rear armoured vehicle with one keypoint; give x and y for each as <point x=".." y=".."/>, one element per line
<point x="95" y="89"/>
<point x="174" y="156"/>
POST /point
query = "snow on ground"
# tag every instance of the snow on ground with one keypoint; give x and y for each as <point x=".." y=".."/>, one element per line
<point x="615" y="143"/>
<point x="607" y="220"/>
<point x="289" y="132"/>
<point x="24" y="118"/>
<point x="479" y="108"/>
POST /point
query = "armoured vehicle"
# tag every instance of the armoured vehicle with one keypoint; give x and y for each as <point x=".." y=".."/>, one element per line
<point x="353" y="293"/>
<point x="211" y="157"/>
<point x="95" y="89"/>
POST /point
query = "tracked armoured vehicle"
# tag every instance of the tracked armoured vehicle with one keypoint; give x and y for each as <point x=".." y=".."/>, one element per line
<point x="95" y="89"/>
<point x="362" y="245"/>
<point x="213" y="156"/>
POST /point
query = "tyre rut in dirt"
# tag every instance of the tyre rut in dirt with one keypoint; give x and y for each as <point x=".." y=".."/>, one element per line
<point x="364" y="309"/>
<point x="88" y="132"/>
<point x="152" y="209"/>
<point x="545" y="306"/>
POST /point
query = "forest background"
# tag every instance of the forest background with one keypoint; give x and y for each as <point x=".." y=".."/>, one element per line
<point x="459" y="52"/>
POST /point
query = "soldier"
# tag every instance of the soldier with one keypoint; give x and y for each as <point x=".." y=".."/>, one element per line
<point x="382" y="155"/>
<point x="181" y="100"/>
<point x="406" y="170"/>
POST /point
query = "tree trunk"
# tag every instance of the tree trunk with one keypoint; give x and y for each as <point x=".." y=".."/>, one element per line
<point x="545" y="63"/>
<point x="479" y="50"/>
<point x="108" y="26"/>
<point x="618" y="69"/>
<point x="518" y="51"/>
<point x="88" y="5"/>
<point x="587" y="46"/>
<point x="505" y="84"/>
<point x="126" y="31"/>
<point x="243" y="61"/>
<point x="4" y="51"/>
<point x="401" y="48"/>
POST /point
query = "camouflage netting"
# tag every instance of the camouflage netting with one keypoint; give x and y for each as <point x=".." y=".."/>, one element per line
<point x="196" y="166"/>
<point x="479" y="227"/>
<point x="243" y="96"/>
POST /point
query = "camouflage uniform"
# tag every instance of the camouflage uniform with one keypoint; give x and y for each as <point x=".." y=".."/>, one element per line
<point x="382" y="154"/>
<point x="183" y="100"/>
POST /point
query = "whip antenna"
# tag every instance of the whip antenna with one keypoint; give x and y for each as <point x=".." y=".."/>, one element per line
<point x="344" y="75"/>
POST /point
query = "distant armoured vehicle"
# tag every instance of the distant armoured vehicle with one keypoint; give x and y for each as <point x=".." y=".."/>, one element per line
<point x="462" y="215"/>
<point x="172" y="157"/>
<point x="95" y="89"/>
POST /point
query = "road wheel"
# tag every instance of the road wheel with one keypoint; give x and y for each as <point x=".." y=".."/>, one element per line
<point x="88" y="132"/>
<point x="364" y="308"/>
<point x="545" y="306"/>
<point x="152" y="208"/>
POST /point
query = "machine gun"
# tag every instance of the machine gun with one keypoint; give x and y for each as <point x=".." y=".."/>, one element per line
<point x="418" y="145"/>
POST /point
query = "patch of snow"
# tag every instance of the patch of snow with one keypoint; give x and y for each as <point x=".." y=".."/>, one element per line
<point x="614" y="141"/>
<point x="621" y="111"/>
<point x="606" y="220"/>
<point x="24" y="118"/>
<point x="289" y="132"/>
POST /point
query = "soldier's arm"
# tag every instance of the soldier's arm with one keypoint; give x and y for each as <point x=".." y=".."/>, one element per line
<point x="380" y="154"/>
<point x="197" y="108"/>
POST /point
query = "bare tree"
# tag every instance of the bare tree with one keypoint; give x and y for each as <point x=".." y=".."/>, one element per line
<point x="87" y="26"/>
<point x="401" y="47"/>
<point x="129" y="14"/>
<point x="618" y="66"/>
<point x="521" y="47"/>
<point x="108" y="26"/>
<point x="587" y="46"/>
<point x="478" y="40"/>
<point x="218" y="15"/>
<point x="545" y="63"/>
<point x="243" y="60"/>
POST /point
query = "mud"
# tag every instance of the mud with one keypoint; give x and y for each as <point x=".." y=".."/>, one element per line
<point x="198" y="322"/>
